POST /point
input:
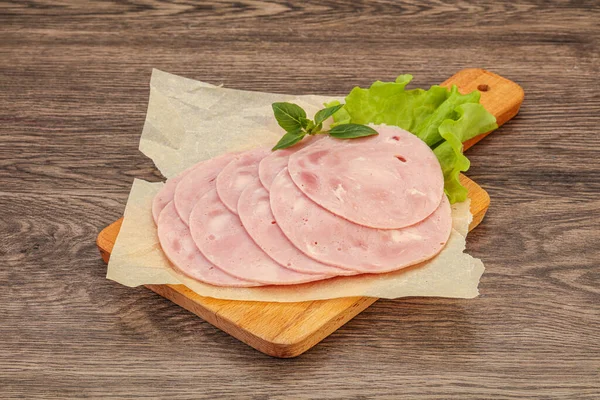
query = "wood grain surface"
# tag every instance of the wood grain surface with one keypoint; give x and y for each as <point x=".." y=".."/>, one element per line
<point x="73" y="92"/>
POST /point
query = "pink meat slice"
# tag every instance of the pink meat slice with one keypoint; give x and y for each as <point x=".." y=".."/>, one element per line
<point x="165" y="195"/>
<point x="241" y="171"/>
<point x="222" y="239"/>
<point x="330" y="239"/>
<point x="197" y="183"/>
<point x="272" y="164"/>
<point x="180" y="249"/>
<point x="389" y="181"/>
<point x="255" y="213"/>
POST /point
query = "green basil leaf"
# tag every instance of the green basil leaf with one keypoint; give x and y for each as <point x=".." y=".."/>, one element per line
<point x="310" y="127"/>
<point x="289" y="139"/>
<point x="289" y="116"/>
<point x="305" y="122"/>
<point x="351" y="131"/>
<point x="325" y="113"/>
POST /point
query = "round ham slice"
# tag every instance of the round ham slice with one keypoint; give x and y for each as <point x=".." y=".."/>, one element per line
<point x="165" y="196"/>
<point x="241" y="171"/>
<point x="330" y="239"/>
<point x="197" y="183"/>
<point x="255" y="213"/>
<point x="272" y="164"/>
<point x="180" y="249"/>
<point x="389" y="181"/>
<point x="222" y="239"/>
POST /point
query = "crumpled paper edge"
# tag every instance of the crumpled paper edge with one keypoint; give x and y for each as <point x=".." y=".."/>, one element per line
<point x="183" y="116"/>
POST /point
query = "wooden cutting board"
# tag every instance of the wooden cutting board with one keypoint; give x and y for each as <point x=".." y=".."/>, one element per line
<point x="289" y="329"/>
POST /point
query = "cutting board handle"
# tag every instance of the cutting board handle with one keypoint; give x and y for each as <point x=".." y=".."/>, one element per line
<point x="501" y="97"/>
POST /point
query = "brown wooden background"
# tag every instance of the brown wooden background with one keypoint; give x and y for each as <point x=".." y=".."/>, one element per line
<point x="73" y="92"/>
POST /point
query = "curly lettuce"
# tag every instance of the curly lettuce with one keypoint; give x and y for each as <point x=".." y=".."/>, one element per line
<point x="442" y="118"/>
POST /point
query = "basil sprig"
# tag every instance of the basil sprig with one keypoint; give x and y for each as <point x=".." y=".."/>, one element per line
<point x="292" y="118"/>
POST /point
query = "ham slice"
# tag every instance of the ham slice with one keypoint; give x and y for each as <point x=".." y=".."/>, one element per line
<point x="165" y="196"/>
<point x="196" y="183"/>
<point x="275" y="162"/>
<point x="222" y="239"/>
<point x="272" y="165"/>
<point x="178" y="246"/>
<point x="241" y="171"/>
<point x="255" y="213"/>
<point x="332" y="240"/>
<point x="389" y="181"/>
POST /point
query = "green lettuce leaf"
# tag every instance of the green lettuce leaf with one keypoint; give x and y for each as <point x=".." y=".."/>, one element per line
<point x="442" y="118"/>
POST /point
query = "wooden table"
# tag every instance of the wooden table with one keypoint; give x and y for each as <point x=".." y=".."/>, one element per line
<point x="73" y="94"/>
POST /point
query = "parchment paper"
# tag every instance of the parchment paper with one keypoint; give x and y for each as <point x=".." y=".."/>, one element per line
<point x="188" y="121"/>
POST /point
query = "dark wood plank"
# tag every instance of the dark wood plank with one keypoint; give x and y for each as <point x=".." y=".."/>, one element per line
<point x="73" y="91"/>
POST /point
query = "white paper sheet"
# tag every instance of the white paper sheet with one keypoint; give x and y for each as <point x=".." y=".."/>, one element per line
<point x="189" y="121"/>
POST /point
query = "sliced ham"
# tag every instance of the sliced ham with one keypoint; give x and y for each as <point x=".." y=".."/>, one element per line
<point x="165" y="196"/>
<point x="180" y="249"/>
<point x="332" y="240"/>
<point x="240" y="171"/>
<point x="196" y="183"/>
<point x="255" y="213"/>
<point x="275" y="162"/>
<point x="222" y="239"/>
<point x="389" y="181"/>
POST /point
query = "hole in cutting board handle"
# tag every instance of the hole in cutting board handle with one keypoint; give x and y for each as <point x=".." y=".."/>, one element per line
<point x="483" y="87"/>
